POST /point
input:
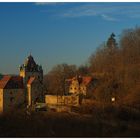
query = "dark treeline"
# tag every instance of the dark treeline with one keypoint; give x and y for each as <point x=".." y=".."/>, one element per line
<point x="117" y="64"/>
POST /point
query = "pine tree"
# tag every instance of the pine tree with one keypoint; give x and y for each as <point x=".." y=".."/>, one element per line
<point x="111" y="42"/>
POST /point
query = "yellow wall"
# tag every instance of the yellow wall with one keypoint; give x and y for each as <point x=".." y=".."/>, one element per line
<point x="51" y="99"/>
<point x="71" y="100"/>
<point x="22" y="73"/>
<point x="29" y="95"/>
<point x="1" y="100"/>
<point x="62" y="100"/>
<point x="76" y="88"/>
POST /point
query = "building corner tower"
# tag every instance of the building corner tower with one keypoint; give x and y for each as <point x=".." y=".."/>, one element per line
<point x="33" y="80"/>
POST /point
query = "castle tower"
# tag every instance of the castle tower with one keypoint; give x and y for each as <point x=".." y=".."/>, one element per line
<point x="33" y="80"/>
<point x="31" y="69"/>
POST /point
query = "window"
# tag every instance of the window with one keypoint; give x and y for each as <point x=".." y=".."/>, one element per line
<point x="11" y="99"/>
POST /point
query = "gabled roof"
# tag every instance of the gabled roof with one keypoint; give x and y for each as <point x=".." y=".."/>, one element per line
<point x="4" y="81"/>
<point x="30" y="61"/>
<point x="83" y="80"/>
<point x="11" y="82"/>
<point x="31" y="80"/>
<point x="86" y="80"/>
<point x="30" y="65"/>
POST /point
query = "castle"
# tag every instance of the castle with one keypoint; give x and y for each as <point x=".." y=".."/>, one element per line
<point x="24" y="89"/>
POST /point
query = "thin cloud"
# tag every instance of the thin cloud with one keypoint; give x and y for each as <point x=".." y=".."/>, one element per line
<point x="90" y="10"/>
<point x="79" y="13"/>
<point x="109" y="18"/>
<point x="107" y="11"/>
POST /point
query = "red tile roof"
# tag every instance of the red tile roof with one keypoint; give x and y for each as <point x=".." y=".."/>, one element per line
<point x="4" y="81"/>
<point x="30" y="81"/>
<point x="11" y="82"/>
<point x="84" y="80"/>
<point x="87" y="80"/>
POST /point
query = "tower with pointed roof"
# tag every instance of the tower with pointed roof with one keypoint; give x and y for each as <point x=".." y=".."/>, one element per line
<point x="31" y="69"/>
<point x="32" y="74"/>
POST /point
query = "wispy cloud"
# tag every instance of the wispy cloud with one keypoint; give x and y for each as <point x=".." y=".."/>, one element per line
<point x="79" y="13"/>
<point x="91" y="10"/>
<point x="109" y="18"/>
<point x="107" y="11"/>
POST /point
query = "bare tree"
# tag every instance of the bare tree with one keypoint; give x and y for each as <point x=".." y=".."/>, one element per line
<point x="55" y="79"/>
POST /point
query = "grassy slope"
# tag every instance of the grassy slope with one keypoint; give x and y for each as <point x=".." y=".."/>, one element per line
<point x="109" y="122"/>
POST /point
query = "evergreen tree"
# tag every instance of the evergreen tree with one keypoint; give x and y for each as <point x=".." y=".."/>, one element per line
<point x="111" y="42"/>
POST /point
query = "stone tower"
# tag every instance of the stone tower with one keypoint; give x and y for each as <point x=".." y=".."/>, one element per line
<point x="31" y="69"/>
<point x="33" y="80"/>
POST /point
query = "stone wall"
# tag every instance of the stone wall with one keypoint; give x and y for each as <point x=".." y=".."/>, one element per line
<point x="70" y="100"/>
<point x="51" y="99"/>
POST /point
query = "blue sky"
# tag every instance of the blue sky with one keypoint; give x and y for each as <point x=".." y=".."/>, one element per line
<point x="58" y="33"/>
